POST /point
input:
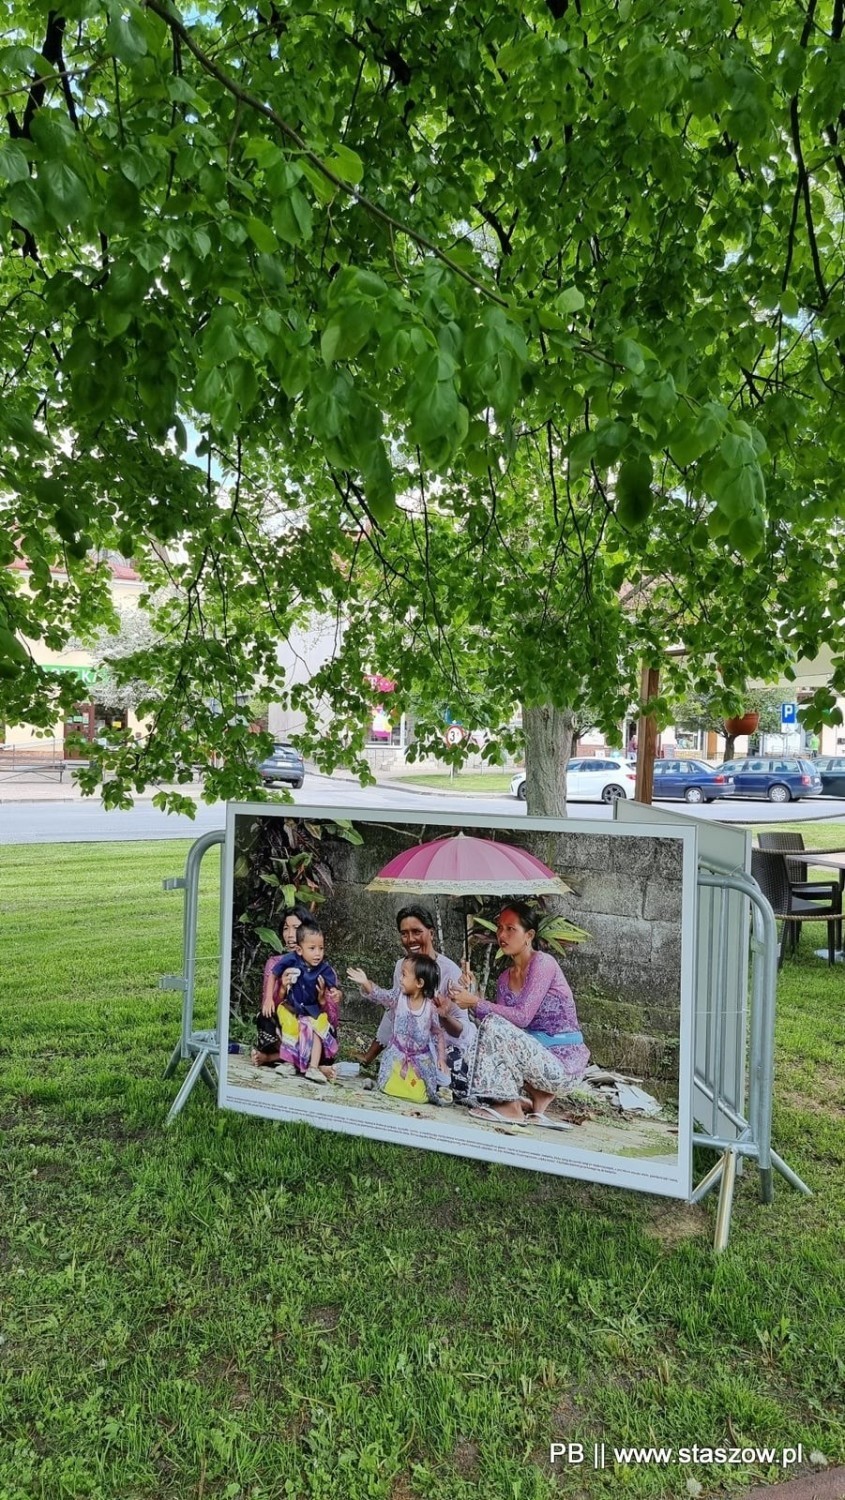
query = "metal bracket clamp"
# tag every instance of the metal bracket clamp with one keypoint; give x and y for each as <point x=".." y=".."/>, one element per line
<point x="173" y="982"/>
<point x="174" y="883"/>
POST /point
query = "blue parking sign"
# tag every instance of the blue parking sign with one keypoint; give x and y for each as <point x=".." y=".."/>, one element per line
<point x="788" y="715"/>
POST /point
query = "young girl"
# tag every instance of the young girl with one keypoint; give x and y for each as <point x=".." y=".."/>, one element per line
<point x="410" y="1063"/>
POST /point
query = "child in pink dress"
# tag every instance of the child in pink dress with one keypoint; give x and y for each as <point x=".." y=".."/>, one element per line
<point x="416" y="1053"/>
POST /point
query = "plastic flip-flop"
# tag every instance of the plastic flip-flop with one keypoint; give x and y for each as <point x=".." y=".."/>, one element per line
<point x="485" y="1112"/>
<point x="545" y="1123"/>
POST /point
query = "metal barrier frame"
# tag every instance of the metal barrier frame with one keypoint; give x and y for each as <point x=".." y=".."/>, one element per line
<point x="753" y="1139"/>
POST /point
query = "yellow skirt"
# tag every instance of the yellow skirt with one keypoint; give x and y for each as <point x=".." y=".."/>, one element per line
<point x="289" y="1025"/>
<point x="410" y="1087"/>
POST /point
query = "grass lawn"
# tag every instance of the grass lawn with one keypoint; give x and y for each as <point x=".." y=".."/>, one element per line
<point x="491" y="782"/>
<point x="240" y="1310"/>
<point x="826" y="835"/>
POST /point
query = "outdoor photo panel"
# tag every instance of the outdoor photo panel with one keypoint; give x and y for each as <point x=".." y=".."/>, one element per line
<point x="406" y="999"/>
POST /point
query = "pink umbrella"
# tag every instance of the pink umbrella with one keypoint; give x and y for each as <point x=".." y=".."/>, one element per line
<point x="467" y="866"/>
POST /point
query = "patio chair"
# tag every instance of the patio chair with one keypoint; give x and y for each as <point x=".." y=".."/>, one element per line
<point x="783" y="842"/>
<point x="811" y="890"/>
<point x="769" y="869"/>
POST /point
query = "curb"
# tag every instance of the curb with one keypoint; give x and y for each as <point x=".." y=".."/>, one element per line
<point x="434" y="791"/>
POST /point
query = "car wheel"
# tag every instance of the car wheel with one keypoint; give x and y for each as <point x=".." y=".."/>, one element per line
<point x="693" y="794"/>
<point x="522" y="792"/>
<point x="779" y="793"/>
<point x="612" y="793"/>
<point x="297" y="784"/>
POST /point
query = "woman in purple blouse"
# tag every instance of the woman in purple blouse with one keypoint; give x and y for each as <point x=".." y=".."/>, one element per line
<point x="529" y="1040"/>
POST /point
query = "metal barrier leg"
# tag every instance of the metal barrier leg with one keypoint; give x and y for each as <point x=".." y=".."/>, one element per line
<point x="185" y="1091"/>
<point x="198" y="1046"/>
<point x="175" y="1059"/>
<point x="726" y="1198"/>
<point x="791" y="1177"/>
<point x="708" y="1182"/>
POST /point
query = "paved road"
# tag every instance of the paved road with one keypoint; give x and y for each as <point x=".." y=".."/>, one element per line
<point x="86" y="822"/>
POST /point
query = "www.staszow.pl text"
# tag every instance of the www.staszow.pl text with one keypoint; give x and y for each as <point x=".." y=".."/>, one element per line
<point x="607" y="1456"/>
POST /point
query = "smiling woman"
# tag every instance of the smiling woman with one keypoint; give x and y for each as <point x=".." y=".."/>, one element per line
<point x="533" y="998"/>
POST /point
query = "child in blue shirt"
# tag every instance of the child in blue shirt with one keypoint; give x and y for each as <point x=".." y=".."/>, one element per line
<point x="302" y="996"/>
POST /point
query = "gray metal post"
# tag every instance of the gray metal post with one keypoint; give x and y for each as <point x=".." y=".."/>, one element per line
<point x="202" y="1047"/>
<point x="755" y="1137"/>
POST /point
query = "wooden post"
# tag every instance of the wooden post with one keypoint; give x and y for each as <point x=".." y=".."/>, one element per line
<point x="647" y="737"/>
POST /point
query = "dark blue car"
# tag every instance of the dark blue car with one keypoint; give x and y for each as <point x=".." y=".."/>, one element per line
<point x="778" y="778"/>
<point x="690" y="781"/>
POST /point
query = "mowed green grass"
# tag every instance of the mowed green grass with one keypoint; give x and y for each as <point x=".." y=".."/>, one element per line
<point x="828" y="834"/>
<point x="491" y="782"/>
<point x="239" y="1310"/>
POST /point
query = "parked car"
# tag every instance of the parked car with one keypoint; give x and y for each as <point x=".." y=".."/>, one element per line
<point x="606" y="779"/>
<point x="690" y="781"/>
<point x="779" y="778"/>
<point x="831" y="769"/>
<point x="285" y="764"/>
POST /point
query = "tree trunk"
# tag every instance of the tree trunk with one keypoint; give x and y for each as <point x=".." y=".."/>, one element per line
<point x="549" y="733"/>
<point x="728" y="752"/>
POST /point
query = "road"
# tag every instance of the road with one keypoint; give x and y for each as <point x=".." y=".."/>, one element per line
<point x="44" y="822"/>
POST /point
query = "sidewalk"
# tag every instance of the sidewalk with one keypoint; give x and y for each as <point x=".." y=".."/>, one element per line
<point x="42" y="788"/>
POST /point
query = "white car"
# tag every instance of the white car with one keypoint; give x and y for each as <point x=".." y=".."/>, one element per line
<point x="596" y="779"/>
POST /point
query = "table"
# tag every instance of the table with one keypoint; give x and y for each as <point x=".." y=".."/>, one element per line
<point x="827" y="859"/>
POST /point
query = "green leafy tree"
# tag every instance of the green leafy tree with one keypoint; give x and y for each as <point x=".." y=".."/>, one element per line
<point x="571" y="253"/>
<point x="709" y="711"/>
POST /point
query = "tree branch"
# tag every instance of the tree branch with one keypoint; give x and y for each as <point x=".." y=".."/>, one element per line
<point x="311" y="156"/>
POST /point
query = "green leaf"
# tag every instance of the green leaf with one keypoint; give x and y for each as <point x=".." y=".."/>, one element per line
<point x="748" y="534"/>
<point x="262" y="236"/>
<point x="13" y="163"/>
<point x="570" y="300"/>
<point x="659" y="397"/>
<point x="735" y="492"/>
<point x="629" y="354"/>
<point x="292" y="218"/>
<point x="610" y="439"/>
<point x="220" y="343"/>
<point x="789" y="304"/>
<point x="24" y="203"/>
<point x="65" y="193"/>
<point x="634" y="497"/>
<point x="125" y="39"/>
<point x="347" y="164"/>
<point x="324" y="190"/>
<point x="271" y="938"/>
<point x="347" y="332"/>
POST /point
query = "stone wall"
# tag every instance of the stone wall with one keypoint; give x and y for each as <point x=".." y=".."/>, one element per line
<point x="626" y="891"/>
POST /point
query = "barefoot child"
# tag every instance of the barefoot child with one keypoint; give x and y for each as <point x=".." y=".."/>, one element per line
<point x="300" y="1000"/>
<point x="415" y="1054"/>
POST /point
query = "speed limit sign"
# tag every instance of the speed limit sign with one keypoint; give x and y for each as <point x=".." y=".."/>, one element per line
<point x="454" y="734"/>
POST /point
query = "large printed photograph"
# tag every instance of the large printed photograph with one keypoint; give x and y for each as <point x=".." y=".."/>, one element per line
<point x="518" y="994"/>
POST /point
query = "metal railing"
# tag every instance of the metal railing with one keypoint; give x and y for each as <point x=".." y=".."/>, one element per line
<point x="40" y="758"/>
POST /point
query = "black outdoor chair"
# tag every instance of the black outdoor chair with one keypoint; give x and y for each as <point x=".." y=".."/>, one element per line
<point x="769" y="869"/>
<point x="812" y="890"/>
<point x="783" y="842"/>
